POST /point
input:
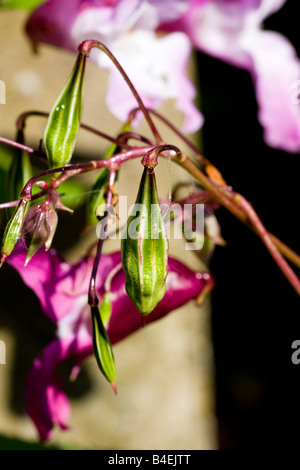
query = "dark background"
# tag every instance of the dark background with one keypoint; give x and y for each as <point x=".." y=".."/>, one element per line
<point x="256" y="314"/>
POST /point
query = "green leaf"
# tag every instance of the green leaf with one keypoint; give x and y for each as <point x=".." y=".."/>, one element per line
<point x="21" y="4"/>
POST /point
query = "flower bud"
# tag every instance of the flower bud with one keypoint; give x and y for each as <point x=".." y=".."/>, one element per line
<point x="144" y="248"/>
<point x="102" y="348"/>
<point x="64" y="120"/>
<point x="39" y="227"/>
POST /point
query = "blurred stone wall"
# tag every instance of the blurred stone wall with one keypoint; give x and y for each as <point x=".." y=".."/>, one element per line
<point x="166" y="371"/>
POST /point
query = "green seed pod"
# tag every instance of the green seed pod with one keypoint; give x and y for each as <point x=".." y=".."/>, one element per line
<point x="20" y="171"/>
<point x="144" y="248"/>
<point x="12" y="231"/>
<point x="64" y="119"/>
<point x="105" y="308"/>
<point x="102" y="348"/>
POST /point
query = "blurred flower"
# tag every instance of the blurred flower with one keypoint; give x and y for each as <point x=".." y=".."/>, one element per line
<point x="232" y="30"/>
<point x="62" y="289"/>
<point x="157" y="66"/>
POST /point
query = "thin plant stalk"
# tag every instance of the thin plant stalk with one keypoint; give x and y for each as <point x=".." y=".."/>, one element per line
<point x="85" y="48"/>
<point x="92" y="295"/>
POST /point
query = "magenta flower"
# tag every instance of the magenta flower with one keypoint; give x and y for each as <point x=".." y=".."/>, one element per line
<point x="233" y="31"/>
<point x="62" y="289"/>
<point x="157" y="66"/>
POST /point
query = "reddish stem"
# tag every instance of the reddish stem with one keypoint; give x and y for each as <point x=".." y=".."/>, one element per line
<point x="6" y="205"/>
<point x="150" y="159"/>
<point x="112" y="163"/>
<point x="269" y="243"/>
<point x="22" y="147"/>
<point x="92" y="295"/>
<point x="85" y="48"/>
<point x="22" y="118"/>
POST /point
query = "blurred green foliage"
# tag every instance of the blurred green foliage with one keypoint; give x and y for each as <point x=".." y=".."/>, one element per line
<point x="21" y="4"/>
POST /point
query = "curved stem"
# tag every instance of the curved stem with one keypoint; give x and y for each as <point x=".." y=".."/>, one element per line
<point x="92" y="295"/>
<point x="286" y="251"/>
<point x="269" y="243"/>
<point x="6" y="205"/>
<point x="22" y="119"/>
<point x="243" y="211"/>
<point x="213" y="173"/>
<point x="150" y="159"/>
<point x="172" y="127"/>
<point x="79" y="168"/>
<point x="12" y="143"/>
<point x="85" y="48"/>
<point x="125" y="136"/>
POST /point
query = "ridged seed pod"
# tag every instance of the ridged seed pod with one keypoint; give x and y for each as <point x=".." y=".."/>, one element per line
<point x="64" y="119"/>
<point x="144" y="248"/>
<point x="12" y="231"/>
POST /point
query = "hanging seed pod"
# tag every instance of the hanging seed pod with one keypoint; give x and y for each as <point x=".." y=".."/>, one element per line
<point x="64" y="119"/>
<point x="144" y="248"/>
<point x="12" y="231"/>
<point x="102" y="348"/>
<point x="105" y="309"/>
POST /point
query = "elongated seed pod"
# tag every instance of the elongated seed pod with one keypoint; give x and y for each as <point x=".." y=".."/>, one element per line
<point x="105" y="309"/>
<point x="102" y="348"/>
<point x="144" y="248"/>
<point x="12" y="231"/>
<point x="64" y="119"/>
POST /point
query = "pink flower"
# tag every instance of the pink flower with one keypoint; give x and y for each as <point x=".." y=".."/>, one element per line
<point x="157" y="66"/>
<point x="62" y="289"/>
<point x="233" y="31"/>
